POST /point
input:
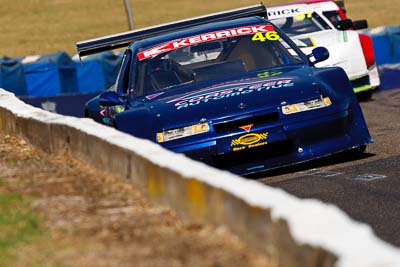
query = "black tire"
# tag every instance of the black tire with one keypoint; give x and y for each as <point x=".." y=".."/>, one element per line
<point x="365" y="95"/>
<point x="355" y="152"/>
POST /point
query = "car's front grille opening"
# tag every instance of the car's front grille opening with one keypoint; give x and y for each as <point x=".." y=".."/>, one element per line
<point x="323" y="131"/>
<point x="229" y="126"/>
<point x="255" y="154"/>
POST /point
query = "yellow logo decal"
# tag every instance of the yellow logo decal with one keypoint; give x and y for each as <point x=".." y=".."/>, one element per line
<point x="249" y="139"/>
<point x="269" y="74"/>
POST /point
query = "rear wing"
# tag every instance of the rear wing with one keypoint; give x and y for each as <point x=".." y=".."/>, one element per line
<point x="119" y="40"/>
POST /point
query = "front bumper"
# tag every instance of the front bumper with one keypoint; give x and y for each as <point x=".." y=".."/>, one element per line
<point x="367" y="82"/>
<point x="374" y="78"/>
<point x="361" y="84"/>
<point x="276" y="146"/>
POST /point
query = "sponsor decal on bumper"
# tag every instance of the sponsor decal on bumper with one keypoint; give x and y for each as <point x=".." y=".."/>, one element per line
<point x="249" y="140"/>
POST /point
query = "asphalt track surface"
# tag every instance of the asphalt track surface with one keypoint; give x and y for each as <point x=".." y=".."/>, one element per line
<point x="367" y="186"/>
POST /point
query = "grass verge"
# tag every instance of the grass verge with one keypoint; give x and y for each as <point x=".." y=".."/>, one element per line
<point x="18" y="223"/>
<point x="31" y="27"/>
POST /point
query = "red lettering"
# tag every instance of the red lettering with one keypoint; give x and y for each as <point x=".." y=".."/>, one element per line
<point x="154" y="51"/>
<point x="181" y="43"/>
<point x="203" y="38"/>
<point x="208" y="37"/>
<point x="262" y="28"/>
<point x="195" y="40"/>
<point x="223" y="34"/>
<point x="245" y="30"/>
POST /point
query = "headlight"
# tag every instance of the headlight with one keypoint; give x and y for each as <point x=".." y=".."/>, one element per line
<point x="308" y="105"/>
<point x="182" y="132"/>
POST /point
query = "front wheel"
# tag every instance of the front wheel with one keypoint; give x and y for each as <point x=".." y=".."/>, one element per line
<point x="355" y="152"/>
<point x="360" y="149"/>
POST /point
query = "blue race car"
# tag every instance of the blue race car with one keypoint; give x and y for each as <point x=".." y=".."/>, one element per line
<point x="229" y="89"/>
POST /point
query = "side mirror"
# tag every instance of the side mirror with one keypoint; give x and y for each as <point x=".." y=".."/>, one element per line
<point x="345" y="24"/>
<point x="109" y="98"/>
<point x="318" y="54"/>
<point x="360" y="24"/>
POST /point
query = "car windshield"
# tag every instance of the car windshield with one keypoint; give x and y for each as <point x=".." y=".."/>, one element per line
<point x="212" y="56"/>
<point x="301" y="24"/>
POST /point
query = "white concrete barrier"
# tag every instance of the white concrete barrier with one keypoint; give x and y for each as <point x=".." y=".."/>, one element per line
<point x="291" y="231"/>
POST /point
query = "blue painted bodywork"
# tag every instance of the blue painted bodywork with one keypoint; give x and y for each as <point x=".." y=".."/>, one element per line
<point x="227" y="104"/>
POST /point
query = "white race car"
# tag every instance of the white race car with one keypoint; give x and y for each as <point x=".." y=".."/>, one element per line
<point x="308" y="26"/>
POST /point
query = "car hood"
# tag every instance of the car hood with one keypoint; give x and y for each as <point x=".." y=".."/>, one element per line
<point x="176" y="108"/>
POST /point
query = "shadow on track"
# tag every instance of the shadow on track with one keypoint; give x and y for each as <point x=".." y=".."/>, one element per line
<point x="347" y="156"/>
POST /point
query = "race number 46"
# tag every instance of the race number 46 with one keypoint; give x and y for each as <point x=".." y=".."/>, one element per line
<point x="268" y="36"/>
